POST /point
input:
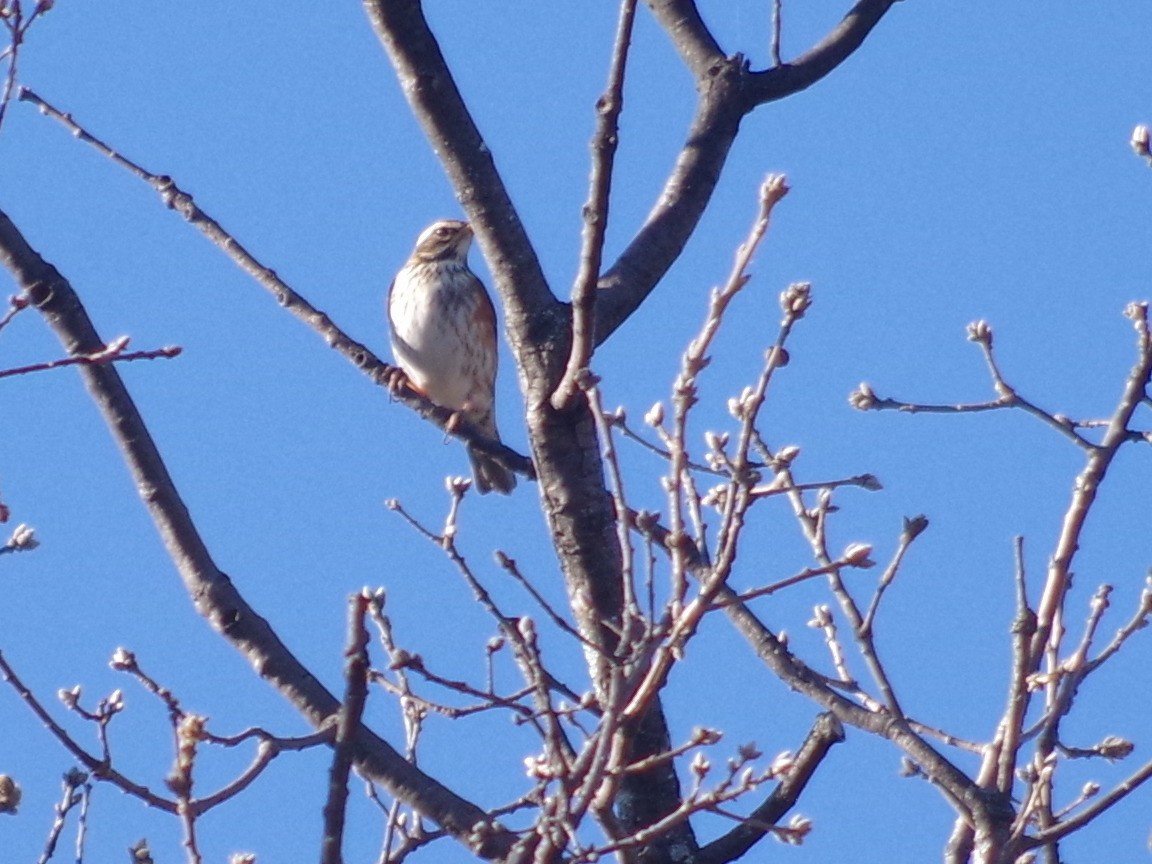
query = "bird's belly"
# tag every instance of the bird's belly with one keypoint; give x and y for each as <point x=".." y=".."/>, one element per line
<point x="433" y="355"/>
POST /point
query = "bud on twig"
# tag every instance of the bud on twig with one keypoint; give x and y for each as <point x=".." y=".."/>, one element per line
<point x="703" y="736"/>
<point x="655" y="415"/>
<point x="457" y="485"/>
<point x="115" y="702"/>
<point x="980" y="332"/>
<point x="123" y="660"/>
<point x="1113" y="748"/>
<point x="863" y="398"/>
<point x="783" y="763"/>
<point x="749" y="751"/>
<point x="1139" y="142"/>
<point x="857" y="554"/>
<point x="796" y="299"/>
<point x="716" y="440"/>
<point x="785" y="456"/>
<point x="23" y="539"/>
<point x="700" y="765"/>
<point x="914" y="526"/>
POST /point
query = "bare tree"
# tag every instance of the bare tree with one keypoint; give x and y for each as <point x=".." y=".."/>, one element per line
<point x="610" y="776"/>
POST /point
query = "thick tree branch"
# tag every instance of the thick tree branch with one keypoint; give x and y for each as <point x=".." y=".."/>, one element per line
<point x="686" y="194"/>
<point x="689" y="34"/>
<point x="436" y="102"/>
<point x="212" y="592"/>
<point x="564" y="441"/>
<point x="788" y="78"/>
<point x="565" y="446"/>
<point x="727" y="91"/>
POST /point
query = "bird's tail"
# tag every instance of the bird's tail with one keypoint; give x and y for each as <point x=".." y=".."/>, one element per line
<point x="490" y="474"/>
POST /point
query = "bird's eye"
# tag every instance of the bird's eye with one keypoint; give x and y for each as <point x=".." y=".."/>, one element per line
<point x="443" y="232"/>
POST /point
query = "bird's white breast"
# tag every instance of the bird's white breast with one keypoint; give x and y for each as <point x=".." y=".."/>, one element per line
<point x="432" y="308"/>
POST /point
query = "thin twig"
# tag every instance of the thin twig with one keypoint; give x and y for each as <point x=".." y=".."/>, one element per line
<point x="16" y="304"/>
<point x="347" y="722"/>
<point x="589" y="384"/>
<point x="619" y="420"/>
<point x="412" y="709"/>
<point x="803" y="576"/>
<point x="1051" y="604"/>
<point x="862" y="481"/>
<point x="82" y="820"/>
<point x="913" y="528"/>
<point x="1075" y="823"/>
<point x="692" y="363"/>
<point x="604" y="142"/>
<point x="864" y="398"/>
<point x="826" y="732"/>
<point x="403" y="661"/>
<point x="109" y="356"/>
<point x="777" y="15"/>
<point x="1008" y="735"/>
<point x="382" y="374"/>
<point x="1137" y="622"/>
<point x="512" y="628"/>
<point x="97" y="767"/>
<point x="512" y="569"/>
<point x="74" y="779"/>
<point x="17" y="25"/>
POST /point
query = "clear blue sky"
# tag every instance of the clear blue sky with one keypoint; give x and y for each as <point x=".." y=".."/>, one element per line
<point x="971" y="161"/>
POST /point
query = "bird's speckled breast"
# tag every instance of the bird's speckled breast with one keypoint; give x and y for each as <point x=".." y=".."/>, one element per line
<point x="438" y="335"/>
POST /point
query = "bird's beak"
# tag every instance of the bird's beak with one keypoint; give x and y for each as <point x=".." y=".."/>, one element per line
<point x="464" y="241"/>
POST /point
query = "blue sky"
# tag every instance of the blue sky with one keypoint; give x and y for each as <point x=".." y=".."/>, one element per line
<point x="971" y="161"/>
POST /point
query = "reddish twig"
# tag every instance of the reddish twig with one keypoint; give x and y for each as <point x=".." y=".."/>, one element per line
<point x="113" y="353"/>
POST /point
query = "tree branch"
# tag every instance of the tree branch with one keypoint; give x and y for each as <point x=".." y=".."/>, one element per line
<point x="689" y="34"/>
<point x="728" y="91"/>
<point x="957" y="787"/>
<point x="788" y="78"/>
<point x="686" y="193"/>
<point x="564" y="440"/>
<point x="1068" y="826"/>
<point x="382" y="374"/>
<point x="826" y="732"/>
<point x="1087" y="484"/>
<point x="604" y="142"/>
<point x="347" y="722"/>
<point x="212" y="592"/>
<point x="436" y="102"/>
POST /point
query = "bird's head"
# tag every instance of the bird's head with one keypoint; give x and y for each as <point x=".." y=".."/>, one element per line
<point x="446" y="240"/>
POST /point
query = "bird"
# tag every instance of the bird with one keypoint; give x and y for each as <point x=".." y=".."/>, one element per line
<point x="443" y="330"/>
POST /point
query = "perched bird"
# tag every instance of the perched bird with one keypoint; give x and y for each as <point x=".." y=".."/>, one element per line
<point x="444" y="336"/>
